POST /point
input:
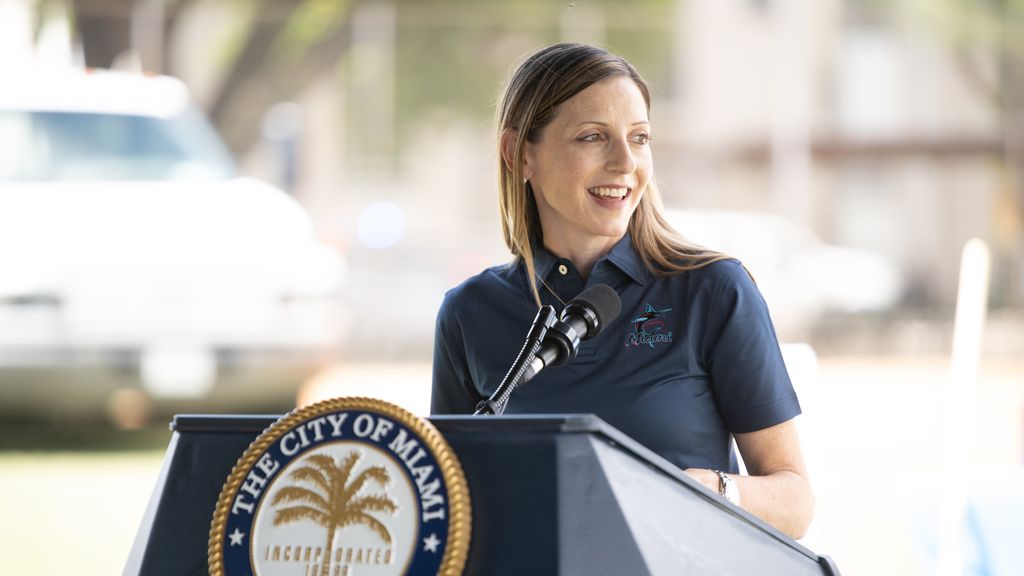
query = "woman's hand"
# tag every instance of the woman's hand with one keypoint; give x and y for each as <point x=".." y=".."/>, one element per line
<point x="706" y="477"/>
<point x="777" y="490"/>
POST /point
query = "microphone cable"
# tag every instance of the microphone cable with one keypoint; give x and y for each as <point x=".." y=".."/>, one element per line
<point x="495" y="405"/>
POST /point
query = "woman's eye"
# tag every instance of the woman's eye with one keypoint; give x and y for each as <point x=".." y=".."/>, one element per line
<point x="590" y="137"/>
<point x="642" y="138"/>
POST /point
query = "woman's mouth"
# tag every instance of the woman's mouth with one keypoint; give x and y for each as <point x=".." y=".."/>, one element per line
<point x="609" y="192"/>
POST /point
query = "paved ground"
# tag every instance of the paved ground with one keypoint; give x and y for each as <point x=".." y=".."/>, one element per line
<point x="872" y="433"/>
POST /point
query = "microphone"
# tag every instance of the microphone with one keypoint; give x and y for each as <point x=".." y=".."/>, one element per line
<point x="584" y="317"/>
<point x="554" y="341"/>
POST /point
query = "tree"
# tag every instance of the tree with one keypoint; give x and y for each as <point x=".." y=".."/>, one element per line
<point x="987" y="40"/>
<point x="104" y="29"/>
<point x="333" y="502"/>
<point x="287" y="46"/>
<point x="290" y="43"/>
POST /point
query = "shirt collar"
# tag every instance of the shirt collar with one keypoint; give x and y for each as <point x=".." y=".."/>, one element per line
<point x="623" y="256"/>
<point x="543" y="261"/>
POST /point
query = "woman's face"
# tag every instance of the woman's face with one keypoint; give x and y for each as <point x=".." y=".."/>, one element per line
<point x="591" y="166"/>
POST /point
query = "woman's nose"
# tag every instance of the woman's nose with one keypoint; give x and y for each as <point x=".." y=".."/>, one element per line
<point x="620" y="156"/>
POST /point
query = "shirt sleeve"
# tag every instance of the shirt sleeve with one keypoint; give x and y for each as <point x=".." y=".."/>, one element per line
<point x="451" y="391"/>
<point x="751" y="385"/>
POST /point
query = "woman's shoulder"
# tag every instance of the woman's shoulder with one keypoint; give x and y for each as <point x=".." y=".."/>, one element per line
<point x="722" y="285"/>
<point x="724" y="271"/>
<point x="491" y="282"/>
<point x="718" y="281"/>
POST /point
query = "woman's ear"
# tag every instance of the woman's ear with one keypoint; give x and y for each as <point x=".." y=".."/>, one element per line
<point x="508" y="149"/>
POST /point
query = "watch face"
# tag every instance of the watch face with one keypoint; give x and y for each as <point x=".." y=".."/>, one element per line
<point x="732" y="492"/>
<point x="727" y="488"/>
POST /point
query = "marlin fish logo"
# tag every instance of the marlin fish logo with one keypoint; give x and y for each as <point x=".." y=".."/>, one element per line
<point x="648" y="328"/>
<point x="645" y="320"/>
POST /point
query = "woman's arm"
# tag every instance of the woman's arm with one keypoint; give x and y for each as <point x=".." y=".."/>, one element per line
<point x="777" y="490"/>
<point x="450" y="391"/>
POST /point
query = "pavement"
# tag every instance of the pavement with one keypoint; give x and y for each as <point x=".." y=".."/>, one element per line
<point x="872" y="433"/>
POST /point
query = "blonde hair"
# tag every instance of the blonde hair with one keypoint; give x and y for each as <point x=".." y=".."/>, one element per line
<point x="540" y="84"/>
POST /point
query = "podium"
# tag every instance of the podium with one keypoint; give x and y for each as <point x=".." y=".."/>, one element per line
<point x="559" y="494"/>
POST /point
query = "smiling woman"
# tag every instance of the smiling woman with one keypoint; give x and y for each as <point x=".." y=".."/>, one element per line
<point x="692" y="364"/>
<point x="589" y="169"/>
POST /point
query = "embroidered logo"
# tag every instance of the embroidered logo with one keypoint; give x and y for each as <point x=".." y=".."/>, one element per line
<point x="649" y="328"/>
<point x="345" y="487"/>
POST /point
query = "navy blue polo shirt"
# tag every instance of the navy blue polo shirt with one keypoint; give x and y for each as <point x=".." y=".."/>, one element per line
<point x="691" y="359"/>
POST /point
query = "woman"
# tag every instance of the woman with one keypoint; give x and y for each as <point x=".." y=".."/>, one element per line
<point x="691" y="363"/>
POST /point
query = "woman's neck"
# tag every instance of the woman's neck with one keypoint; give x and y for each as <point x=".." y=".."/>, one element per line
<point x="583" y="255"/>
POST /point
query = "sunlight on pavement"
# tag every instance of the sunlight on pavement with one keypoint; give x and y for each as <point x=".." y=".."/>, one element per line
<point x="873" y="436"/>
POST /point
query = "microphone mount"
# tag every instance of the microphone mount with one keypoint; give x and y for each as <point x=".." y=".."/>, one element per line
<point x="495" y="405"/>
<point x="555" y="340"/>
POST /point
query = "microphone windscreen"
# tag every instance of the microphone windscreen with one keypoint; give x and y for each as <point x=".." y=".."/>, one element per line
<point x="603" y="301"/>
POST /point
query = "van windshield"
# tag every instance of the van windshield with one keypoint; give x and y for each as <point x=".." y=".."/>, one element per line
<point x="62" y="146"/>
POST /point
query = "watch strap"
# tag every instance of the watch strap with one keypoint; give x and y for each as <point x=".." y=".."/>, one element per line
<point x="727" y="488"/>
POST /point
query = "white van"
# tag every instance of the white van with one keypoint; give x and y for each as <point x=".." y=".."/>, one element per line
<point x="137" y="269"/>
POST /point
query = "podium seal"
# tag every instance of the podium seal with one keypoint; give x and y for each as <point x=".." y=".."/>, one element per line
<point x="345" y="487"/>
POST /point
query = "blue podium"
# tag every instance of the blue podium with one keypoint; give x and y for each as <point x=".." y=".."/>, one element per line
<point x="559" y="494"/>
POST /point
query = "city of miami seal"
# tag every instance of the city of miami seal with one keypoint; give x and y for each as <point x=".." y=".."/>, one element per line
<point x="344" y="487"/>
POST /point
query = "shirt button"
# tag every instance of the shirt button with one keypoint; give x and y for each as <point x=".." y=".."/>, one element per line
<point x="563" y="269"/>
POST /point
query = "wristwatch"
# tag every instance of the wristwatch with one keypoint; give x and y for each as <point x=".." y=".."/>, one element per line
<point x="727" y="488"/>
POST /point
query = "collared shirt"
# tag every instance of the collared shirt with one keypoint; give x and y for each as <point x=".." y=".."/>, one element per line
<point x="692" y="358"/>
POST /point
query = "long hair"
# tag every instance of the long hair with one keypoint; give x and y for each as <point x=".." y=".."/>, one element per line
<point x="540" y="84"/>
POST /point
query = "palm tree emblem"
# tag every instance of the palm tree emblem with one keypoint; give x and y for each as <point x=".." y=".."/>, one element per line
<point x="331" y="500"/>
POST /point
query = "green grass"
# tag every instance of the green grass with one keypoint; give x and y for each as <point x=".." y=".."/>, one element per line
<point x="73" y="512"/>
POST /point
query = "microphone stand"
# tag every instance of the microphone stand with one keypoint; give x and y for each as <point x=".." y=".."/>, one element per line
<point x="495" y="405"/>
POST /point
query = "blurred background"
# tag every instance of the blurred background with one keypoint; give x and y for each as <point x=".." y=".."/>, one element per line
<point x="244" y="205"/>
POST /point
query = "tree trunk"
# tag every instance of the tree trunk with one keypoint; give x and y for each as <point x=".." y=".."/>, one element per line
<point x="325" y="567"/>
<point x="172" y="15"/>
<point x="261" y="78"/>
<point x="1013" y="130"/>
<point x="104" y="29"/>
